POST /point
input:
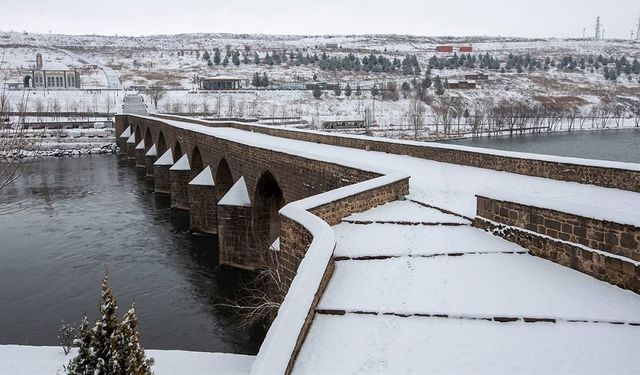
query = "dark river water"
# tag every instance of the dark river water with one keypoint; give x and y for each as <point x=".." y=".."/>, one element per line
<point x="74" y="217"/>
<point x="617" y="145"/>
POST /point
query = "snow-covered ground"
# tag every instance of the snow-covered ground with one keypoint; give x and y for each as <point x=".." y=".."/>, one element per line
<point x="41" y="360"/>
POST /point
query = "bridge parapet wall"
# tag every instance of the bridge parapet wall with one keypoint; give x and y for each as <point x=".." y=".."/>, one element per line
<point x="606" y="250"/>
<point x="624" y="176"/>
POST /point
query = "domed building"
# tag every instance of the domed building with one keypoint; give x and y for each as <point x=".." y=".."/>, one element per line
<point x="51" y="75"/>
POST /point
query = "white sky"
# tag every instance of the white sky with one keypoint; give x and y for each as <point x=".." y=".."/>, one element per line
<point x="529" y="18"/>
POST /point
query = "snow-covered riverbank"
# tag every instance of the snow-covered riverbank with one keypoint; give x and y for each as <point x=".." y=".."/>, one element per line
<point x="41" y="360"/>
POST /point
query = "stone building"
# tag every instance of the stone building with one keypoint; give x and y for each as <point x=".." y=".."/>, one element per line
<point x="220" y="83"/>
<point x="51" y="75"/>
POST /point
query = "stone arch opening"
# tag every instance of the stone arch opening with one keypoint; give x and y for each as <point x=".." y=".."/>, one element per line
<point x="27" y="82"/>
<point x="224" y="179"/>
<point x="177" y="151"/>
<point x="148" y="139"/>
<point x="138" y="134"/>
<point x="161" y="147"/>
<point x="196" y="162"/>
<point x="268" y="199"/>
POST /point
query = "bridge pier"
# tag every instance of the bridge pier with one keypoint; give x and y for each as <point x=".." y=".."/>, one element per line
<point x="140" y="155"/>
<point x="121" y="141"/>
<point x="161" y="173"/>
<point x="203" y="210"/>
<point x="234" y="228"/>
<point x="150" y="158"/>
<point x="179" y="177"/>
<point x="130" y="148"/>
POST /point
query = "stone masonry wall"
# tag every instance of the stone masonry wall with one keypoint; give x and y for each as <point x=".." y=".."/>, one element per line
<point x="161" y="179"/>
<point x="567" y="239"/>
<point x="234" y="228"/>
<point x="607" y="177"/>
<point x="614" y="238"/>
<point x="203" y="212"/>
<point x="179" y="181"/>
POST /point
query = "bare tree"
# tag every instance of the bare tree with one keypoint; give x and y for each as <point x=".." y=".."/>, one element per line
<point x="156" y="93"/>
<point x="416" y="115"/>
<point x="260" y="297"/>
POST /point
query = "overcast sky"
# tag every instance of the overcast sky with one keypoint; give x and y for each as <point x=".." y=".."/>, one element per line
<point x="530" y="18"/>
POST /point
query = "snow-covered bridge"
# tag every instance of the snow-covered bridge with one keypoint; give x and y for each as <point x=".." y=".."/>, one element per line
<point x="414" y="285"/>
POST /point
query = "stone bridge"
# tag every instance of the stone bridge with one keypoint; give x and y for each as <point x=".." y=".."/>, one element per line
<point x="258" y="186"/>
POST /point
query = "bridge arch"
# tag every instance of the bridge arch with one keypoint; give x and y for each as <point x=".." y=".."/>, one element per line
<point x="138" y="134"/>
<point x="148" y="139"/>
<point x="223" y="179"/>
<point x="196" y="161"/>
<point x="177" y="151"/>
<point x="268" y="199"/>
<point x="161" y="145"/>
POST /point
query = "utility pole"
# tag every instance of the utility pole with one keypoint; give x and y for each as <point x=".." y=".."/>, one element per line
<point x="584" y="32"/>
<point x="603" y="30"/>
<point x="598" y="27"/>
<point x="638" y="31"/>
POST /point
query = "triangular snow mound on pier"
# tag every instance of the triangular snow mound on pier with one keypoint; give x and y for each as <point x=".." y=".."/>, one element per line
<point x="182" y="164"/>
<point x="126" y="133"/>
<point x="237" y="195"/>
<point x="165" y="159"/>
<point x="131" y="139"/>
<point x="152" y="151"/>
<point x="204" y="178"/>
<point x="140" y="145"/>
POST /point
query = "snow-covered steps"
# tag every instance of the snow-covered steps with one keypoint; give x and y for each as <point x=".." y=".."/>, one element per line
<point x="477" y="286"/>
<point x="389" y="240"/>
<point x="364" y="344"/>
<point x="406" y="212"/>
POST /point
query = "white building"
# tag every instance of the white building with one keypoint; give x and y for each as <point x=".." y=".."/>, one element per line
<point x="51" y="75"/>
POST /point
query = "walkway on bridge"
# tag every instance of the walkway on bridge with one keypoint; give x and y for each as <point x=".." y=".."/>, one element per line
<point x="133" y="104"/>
<point x="418" y="291"/>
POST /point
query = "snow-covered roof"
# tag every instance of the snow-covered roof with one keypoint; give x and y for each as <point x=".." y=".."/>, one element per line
<point x="340" y="118"/>
<point x="182" y="164"/>
<point x="152" y="151"/>
<point x="54" y="65"/>
<point x="204" y="178"/>
<point x="165" y="159"/>
<point x="237" y="195"/>
<point x="140" y="145"/>
<point x="126" y="133"/>
<point x="131" y="139"/>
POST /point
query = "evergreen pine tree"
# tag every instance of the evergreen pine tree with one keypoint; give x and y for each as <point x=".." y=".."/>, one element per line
<point x="317" y="92"/>
<point x="205" y="55"/>
<point x="265" y="80"/>
<point x="437" y="85"/>
<point x="255" y="81"/>
<point x="134" y="359"/>
<point x="225" y="62"/>
<point x="375" y="91"/>
<point x="347" y="91"/>
<point x="84" y="362"/>
<point x="216" y="56"/>
<point x="105" y="330"/>
<point x="256" y="58"/>
<point x="358" y="92"/>
<point x="337" y="90"/>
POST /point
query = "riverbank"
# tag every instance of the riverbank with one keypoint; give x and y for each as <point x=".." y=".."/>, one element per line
<point x="38" y="360"/>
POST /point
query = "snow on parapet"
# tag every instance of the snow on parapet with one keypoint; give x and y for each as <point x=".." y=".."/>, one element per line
<point x="182" y="164"/>
<point x="204" y="178"/>
<point x="152" y="151"/>
<point x="131" y="139"/>
<point x="126" y="133"/>
<point x="237" y="195"/>
<point x="165" y="159"/>
<point x="140" y="145"/>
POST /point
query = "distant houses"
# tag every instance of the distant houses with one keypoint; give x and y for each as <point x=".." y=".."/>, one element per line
<point x="450" y="49"/>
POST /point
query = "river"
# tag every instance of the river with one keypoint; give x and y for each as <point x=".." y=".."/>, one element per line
<point x="616" y="145"/>
<point x="68" y="219"/>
